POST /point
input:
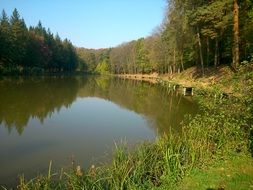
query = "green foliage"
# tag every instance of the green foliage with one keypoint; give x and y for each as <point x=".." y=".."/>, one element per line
<point x="33" y="50"/>
<point x="90" y="58"/>
<point x="141" y="57"/>
<point x="102" y="68"/>
<point x="122" y="58"/>
<point x="193" y="33"/>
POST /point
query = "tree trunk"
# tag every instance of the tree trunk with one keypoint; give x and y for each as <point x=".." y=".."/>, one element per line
<point x="216" y="52"/>
<point x="201" y="54"/>
<point x="181" y="60"/>
<point x="174" y="60"/>
<point x="236" y="35"/>
<point x="207" y="50"/>
<point x="171" y="70"/>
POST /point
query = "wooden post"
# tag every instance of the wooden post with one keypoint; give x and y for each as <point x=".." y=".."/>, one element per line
<point x="188" y="91"/>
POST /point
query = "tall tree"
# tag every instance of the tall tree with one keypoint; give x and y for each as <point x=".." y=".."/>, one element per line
<point x="236" y="50"/>
<point x="142" y="62"/>
<point x="18" y="38"/>
<point x="4" y="40"/>
<point x="246" y="29"/>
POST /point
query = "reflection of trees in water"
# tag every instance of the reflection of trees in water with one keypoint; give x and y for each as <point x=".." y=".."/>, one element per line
<point x="25" y="98"/>
<point x="22" y="99"/>
<point x="163" y="105"/>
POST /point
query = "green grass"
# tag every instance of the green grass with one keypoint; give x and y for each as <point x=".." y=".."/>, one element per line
<point x="232" y="174"/>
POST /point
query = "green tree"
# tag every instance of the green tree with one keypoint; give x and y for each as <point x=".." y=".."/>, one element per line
<point x="246" y="29"/>
<point x="5" y="47"/>
<point x="35" y="50"/>
<point x="103" y="67"/>
<point x="142" y="62"/>
<point x="18" y="38"/>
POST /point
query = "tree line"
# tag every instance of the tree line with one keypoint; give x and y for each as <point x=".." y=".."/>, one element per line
<point x="32" y="50"/>
<point x="93" y="60"/>
<point x="198" y="33"/>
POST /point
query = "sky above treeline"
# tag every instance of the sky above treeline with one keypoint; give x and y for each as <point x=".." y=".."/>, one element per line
<point x="92" y="23"/>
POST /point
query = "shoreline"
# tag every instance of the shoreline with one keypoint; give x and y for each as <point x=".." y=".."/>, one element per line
<point x="191" y="77"/>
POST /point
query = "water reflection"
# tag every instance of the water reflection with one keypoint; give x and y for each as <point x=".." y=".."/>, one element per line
<point x="55" y="118"/>
<point x="22" y="99"/>
<point x="163" y="106"/>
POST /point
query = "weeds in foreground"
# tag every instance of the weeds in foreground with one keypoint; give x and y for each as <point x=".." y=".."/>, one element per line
<point x="206" y="139"/>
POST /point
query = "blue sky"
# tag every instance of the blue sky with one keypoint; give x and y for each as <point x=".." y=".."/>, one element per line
<point x="92" y="23"/>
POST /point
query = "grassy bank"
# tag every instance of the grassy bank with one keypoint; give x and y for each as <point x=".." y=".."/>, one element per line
<point x="233" y="173"/>
<point x="214" y="150"/>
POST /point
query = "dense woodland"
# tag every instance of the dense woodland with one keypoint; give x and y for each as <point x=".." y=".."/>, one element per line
<point x="193" y="33"/>
<point x="34" y="50"/>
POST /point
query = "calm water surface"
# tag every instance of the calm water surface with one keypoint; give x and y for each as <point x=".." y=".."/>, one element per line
<point x="79" y="118"/>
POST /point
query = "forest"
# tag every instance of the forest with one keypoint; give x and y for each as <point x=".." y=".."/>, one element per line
<point x="193" y="33"/>
<point x="33" y="50"/>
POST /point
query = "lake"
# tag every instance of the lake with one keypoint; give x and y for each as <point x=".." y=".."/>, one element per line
<point x="79" y="119"/>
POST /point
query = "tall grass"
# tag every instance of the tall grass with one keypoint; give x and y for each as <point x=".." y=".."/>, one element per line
<point x="206" y="139"/>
